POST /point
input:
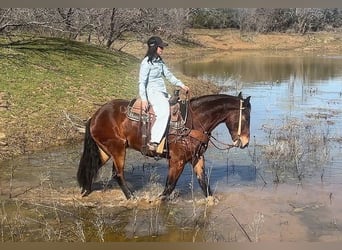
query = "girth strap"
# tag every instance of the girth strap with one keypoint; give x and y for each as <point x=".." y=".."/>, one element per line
<point x="199" y="135"/>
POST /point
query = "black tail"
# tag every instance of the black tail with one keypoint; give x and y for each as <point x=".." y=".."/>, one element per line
<point x="90" y="162"/>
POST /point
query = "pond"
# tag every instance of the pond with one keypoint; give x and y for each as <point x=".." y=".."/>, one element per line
<point x="286" y="186"/>
<point x="287" y="90"/>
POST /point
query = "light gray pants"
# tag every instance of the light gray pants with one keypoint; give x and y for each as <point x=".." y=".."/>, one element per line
<point x="160" y="104"/>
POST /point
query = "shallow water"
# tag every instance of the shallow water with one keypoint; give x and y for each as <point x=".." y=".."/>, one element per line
<point x="303" y="93"/>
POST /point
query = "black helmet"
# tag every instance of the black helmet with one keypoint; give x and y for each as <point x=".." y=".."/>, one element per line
<point x="156" y="41"/>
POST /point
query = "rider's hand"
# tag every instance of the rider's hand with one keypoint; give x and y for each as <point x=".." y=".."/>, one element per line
<point x="185" y="88"/>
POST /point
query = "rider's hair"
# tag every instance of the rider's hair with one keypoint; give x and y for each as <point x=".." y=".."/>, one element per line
<point x="152" y="53"/>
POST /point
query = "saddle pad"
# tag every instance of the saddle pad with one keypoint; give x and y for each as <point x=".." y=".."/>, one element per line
<point x="134" y="111"/>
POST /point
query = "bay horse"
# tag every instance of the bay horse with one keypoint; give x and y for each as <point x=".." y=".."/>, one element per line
<point x="109" y="133"/>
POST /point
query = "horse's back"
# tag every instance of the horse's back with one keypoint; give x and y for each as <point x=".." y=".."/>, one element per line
<point x="109" y="117"/>
<point x="114" y="106"/>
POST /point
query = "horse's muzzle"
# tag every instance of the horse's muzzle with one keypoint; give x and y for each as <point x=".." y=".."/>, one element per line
<point x="239" y="143"/>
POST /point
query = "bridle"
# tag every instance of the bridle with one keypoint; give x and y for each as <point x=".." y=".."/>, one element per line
<point x="240" y="118"/>
<point x="229" y="146"/>
<point x="211" y="138"/>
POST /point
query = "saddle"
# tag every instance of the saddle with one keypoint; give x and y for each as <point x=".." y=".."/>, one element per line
<point x="178" y="113"/>
<point x="178" y="116"/>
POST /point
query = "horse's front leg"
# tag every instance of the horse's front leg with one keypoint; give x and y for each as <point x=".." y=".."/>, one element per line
<point x="175" y="169"/>
<point x="199" y="169"/>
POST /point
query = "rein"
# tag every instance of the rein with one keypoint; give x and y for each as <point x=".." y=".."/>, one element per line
<point x="228" y="146"/>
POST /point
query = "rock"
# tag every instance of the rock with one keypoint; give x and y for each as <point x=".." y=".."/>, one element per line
<point x="2" y="136"/>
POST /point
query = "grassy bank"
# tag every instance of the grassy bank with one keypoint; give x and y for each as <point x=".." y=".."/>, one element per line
<point x="47" y="85"/>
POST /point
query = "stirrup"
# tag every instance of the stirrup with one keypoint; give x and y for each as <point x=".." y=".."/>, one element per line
<point x="152" y="146"/>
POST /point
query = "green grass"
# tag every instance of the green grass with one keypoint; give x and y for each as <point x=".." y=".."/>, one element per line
<point x="52" y="70"/>
<point x="44" y="77"/>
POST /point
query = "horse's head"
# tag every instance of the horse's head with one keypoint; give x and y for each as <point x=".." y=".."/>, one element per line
<point x="238" y="122"/>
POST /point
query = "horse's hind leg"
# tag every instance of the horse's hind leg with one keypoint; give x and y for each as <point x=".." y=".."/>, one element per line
<point x="119" y="177"/>
<point x="118" y="155"/>
<point x="199" y="168"/>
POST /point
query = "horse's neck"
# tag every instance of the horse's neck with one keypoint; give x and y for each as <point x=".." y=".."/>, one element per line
<point x="207" y="117"/>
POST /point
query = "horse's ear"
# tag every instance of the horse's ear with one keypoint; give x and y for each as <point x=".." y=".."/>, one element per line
<point x="240" y="95"/>
<point x="247" y="99"/>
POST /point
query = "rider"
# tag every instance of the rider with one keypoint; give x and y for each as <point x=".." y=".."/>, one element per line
<point x="152" y="89"/>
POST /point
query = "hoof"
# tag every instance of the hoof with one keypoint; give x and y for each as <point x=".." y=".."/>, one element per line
<point x="85" y="193"/>
<point x="132" y="198"/>
<point x="163" y="197"/>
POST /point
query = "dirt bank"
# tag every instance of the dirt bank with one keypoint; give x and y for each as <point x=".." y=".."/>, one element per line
<point x="233" y="40"/>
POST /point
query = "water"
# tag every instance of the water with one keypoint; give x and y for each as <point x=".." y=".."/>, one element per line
<point x="304" y="87"/>
<point x="296" y="100"/>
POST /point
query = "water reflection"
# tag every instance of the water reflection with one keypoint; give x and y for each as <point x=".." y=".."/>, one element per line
<point x="284" y="87"/>
<point x="309" y="69"/>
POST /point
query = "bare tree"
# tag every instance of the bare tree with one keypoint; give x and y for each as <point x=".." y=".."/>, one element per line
<point x="122" y="20"/>
<point x="165" y="21"/>
<point x="309" y="19"/>
<point x="35" y="20"/>
<point x="67" y="17"/>
<point x="109" y="25"/>
<point x="265" y="20"/>
<point x="176" y="21"/>
<point x="17" y="19"/>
